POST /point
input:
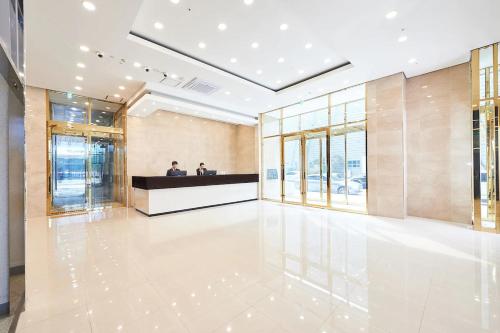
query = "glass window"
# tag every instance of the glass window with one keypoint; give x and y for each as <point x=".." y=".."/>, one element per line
<point x="271" y="123"/>
<point x="338" y="114"/>
<point x="68" y="107"/>
<point x="20" y="36"/>
<point x="356" y="167"/>
<point x="271" y="168"/>
<point x="355" y="111"/>
<point x="306" y="106"/>
<point x="486" y="72"/>
<point x="103" y="113"/>
<point x="348" y="95"/>
<point x="67" y="113"/>
<point x="291" y="124"/>
<point x="314" y="120"/>
<point x="292" y="163"/>
<point x="337" y="168"/>
<point x="13" y="32"/>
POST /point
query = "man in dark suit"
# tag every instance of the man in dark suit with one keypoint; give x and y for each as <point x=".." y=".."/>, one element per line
<point x="201" y="171"/>
<point x="174" y="171"/>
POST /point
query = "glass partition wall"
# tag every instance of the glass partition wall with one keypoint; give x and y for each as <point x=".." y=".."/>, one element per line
<point x="485" y="65"/>
<point x="86" y="154"/>
<point x="314" y="152"/>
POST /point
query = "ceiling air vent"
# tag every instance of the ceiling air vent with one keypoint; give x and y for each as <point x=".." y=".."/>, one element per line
<point x="201" y="87"/>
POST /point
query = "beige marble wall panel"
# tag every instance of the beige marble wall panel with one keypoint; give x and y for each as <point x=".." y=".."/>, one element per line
<point x="36" y="153"/>
<point x="153" y="142"/>
<point x="247" y="160"/>
<point x="439" y="130"/>
<point x="385" y="135"/>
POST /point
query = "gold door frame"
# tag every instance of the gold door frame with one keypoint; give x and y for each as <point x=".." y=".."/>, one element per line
<point x="285" y="138"/>
<point x="488" y="106"/>
<point x="50" y="132"/>
<point x="309" y="135"/>
<point x="302" y="137"/>
<point x="346" y="126"/>
<point x="88" y="131"/>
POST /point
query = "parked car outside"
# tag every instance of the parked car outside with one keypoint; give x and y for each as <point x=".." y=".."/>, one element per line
<point x="361" y="180"/>
<point x="337" y="185"/>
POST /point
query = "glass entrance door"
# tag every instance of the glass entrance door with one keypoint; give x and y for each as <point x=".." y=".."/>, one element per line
<point x="292" y="169"/>
<point x="316" y="166"/>
<point x="68" y="162"/>
<point x="102" y="153"/>
<point x="85" y="171"/>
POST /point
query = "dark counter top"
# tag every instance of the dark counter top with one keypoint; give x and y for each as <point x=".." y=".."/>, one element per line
<point x="161" y="182"/>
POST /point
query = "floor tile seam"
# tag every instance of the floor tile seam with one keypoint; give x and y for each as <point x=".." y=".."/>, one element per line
<point x="425" y="306"/>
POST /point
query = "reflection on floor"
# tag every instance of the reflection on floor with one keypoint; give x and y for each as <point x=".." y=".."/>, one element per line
<point x="258" y="267"/>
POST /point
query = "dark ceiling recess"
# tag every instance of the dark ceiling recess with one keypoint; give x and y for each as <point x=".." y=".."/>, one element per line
<point x="345" y="65"/>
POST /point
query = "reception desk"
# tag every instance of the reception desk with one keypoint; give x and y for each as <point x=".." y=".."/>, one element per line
<point x="163" y="195"/>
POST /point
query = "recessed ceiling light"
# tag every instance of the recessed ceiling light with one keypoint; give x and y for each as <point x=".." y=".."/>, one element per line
<point x="137" y="64"/>
<point x="248" y="2"/>
<point x="300" y="71"/>
<point x="158" y="25"/>
<point x="424" y="87"/>
<point x="259" y="71"/>
<point x="248" y="99"/>
<point x="327" y="60"/>
<point x="78" y="88"/>
<point x="233" y="60"/>
<point x="107" y="108"/>
<point x="402" y="39"/>
<point x="202" y="45"/>
<point x="429" y="96"/>
<point x="281" y="60"/>
<point x="74" y="109"/>
<point x="79" y="78"/>
<point x="174" y="76"/>
<point x="88" y="6"/>
<point x="75" y="102"/>
<point x="308" y="45"/>
<point x="227" y="93"/>
<point x="222" y="26"/>
<point x="128" y="77"/>
<point x="175" y="2"/>
<point x="117" y="95"/>
<point x="121" y="87"/>
<point x="84" y="48"/>
<point x="255" y="45"/>
<point x="390" y="15"/>
<point x="412" y="61"/>
<point x="284" y="27"/>
<point x="86" y="103"/>
<point x="81" y="65"/>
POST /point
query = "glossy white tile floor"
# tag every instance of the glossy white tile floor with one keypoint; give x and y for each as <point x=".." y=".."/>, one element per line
<point x="258" y="267"/>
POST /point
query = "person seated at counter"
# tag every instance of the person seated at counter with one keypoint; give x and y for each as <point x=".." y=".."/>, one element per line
<point x="201" y="171"/>
<point x="174" y="171"/>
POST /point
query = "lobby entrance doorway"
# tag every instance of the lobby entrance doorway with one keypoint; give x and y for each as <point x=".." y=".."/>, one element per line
<point x="86" y="155"/>
<point x="84" y="171"/>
